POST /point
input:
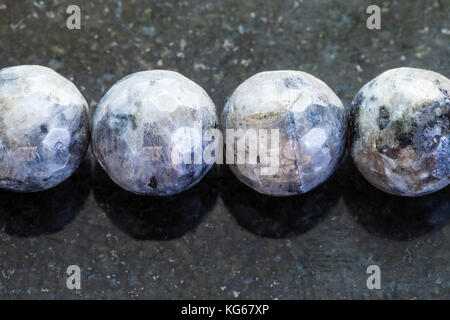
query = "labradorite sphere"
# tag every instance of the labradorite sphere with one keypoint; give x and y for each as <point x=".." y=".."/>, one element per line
<point x="400" y="131"/>
<point x="311" y="124"/>
<point x="148" y="132"/>
<point x="44" y="128"/>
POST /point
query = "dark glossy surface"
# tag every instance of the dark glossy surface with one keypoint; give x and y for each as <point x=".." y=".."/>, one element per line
<point x="46" y="212"/>
<point x="154" y="218"/>
<point x="393" y="217"/>
<point x="221" y="240"/>
<point x="276" y="217"/>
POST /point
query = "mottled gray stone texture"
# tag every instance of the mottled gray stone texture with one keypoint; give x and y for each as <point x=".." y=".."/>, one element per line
<point x="400" y="137"/>
<point x="148" y="132"/>
<point x="311" y="123"/>
<point x="221" y="239"/>
<point x="44" y="128"/>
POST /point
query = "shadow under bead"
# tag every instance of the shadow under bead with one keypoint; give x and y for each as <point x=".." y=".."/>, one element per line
<point x="155" y="218"/>
<point x="276" y="217"/>
<point x="394" y="217"/>
<point x="34" y="214"/>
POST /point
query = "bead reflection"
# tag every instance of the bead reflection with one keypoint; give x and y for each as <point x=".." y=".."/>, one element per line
<point x="276" y="217"/>
<point x="155" y="218"/>
<point x="395" y="217"/>
<point x="45" y="212"/>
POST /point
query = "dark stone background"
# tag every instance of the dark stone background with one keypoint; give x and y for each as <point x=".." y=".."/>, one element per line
<point x="220" y="239"/>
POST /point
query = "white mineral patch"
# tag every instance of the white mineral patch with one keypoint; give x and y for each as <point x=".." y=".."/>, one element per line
<point x="313" y="139"/>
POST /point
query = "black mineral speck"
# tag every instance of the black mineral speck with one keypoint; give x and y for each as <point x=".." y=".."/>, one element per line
<point x="153" y="182"/>
<point x="290" y="83"/>
<point x="383" y="118"/>
<point x="354" y="114"/>
<point x="404" y="140"/>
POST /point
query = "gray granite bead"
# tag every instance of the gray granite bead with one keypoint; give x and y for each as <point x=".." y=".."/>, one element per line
<point x="44" y="128"/>
<point x="145" y="124"/>
<point x="400" y="131"/>
<point x="311" y="122"/>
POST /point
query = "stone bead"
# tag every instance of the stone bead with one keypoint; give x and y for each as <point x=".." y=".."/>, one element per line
<point x="146" y="129"/>
<point x="44" y="128"/>
<point x="400" y="131"/>
<point x="311" y="124"/>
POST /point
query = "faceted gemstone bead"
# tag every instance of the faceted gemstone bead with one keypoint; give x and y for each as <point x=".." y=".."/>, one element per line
<point x="311" y="124"/>
<point x="44" y="128"/>
<point x="148" y="129"/>
<point x="400" y="131"/>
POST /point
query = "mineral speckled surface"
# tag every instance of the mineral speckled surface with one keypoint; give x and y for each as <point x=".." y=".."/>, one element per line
<point x="400" y="131"/>
<point x="44" y="128"/>
<point x="147" y="127"/>
<point x="311" y="122"/>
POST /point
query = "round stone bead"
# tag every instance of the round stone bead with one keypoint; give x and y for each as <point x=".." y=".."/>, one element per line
<point x="148" y="129"/>
<point x="44" y="128"/>
<point x="400" y="131"/>
<point x="309" y="120"/>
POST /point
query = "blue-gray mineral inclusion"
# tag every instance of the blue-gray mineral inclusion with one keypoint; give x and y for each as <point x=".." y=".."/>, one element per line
<point x="148" y="129"/>
<point x="311" y="122"/>
<point x="400" y="131"/>
<point x="44" y="128"/>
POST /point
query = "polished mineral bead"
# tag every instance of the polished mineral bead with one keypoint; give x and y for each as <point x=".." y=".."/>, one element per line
<point x="311" y="124"/>
<point x="400" y="131"/>
<point x="44" y="128"/>
<point x="148" y="132"/>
